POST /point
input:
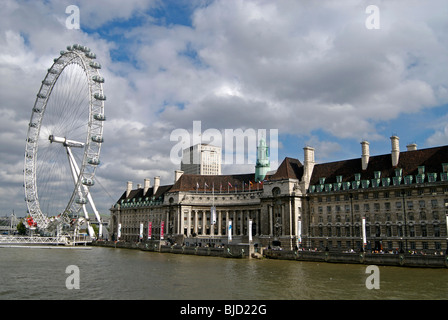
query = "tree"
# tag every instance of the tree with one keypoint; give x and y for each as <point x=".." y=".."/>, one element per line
<point x="21" y="229"/>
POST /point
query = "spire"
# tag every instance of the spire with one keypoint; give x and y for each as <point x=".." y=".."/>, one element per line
<point x="263" y="165"/>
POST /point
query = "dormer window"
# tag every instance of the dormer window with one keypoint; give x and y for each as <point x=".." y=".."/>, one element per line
<point x="375" y="183"/>
<point x="365" y="183"/>
<point x="357" y="176"/>
<point x="420" y="178"/>
<point x="445" y="167"/>
<point x="432" y="177"/>
<point x="396" y="181"/>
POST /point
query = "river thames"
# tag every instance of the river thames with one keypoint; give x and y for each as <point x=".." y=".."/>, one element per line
<point x="107" y="273"/>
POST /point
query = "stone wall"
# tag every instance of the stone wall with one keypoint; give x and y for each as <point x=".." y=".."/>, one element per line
<point x="403" y="260"/>
<point x="247" y="251"/>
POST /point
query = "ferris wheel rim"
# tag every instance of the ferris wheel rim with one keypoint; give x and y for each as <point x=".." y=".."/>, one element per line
<point x="85" y="59"/>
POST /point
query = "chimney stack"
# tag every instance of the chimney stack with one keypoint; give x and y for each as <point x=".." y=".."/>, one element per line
<point x="146" y="185"/>
<point x="177" y="175"/>
<point x="395" y="150"/>
<point x="365" y="154"/>
<point x="156" y="185"/>
<point x="128" y="188"/>
<point x="412" y="147"/>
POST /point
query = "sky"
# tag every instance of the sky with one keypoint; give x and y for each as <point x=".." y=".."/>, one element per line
<point x="326" y="74"/>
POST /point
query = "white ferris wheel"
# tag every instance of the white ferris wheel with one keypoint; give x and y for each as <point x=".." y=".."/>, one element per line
<point x="63" y="144"/>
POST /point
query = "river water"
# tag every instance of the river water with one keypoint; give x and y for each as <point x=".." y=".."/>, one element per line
<point x="108" y="273"/>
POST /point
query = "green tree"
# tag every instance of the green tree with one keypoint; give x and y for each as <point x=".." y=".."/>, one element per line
<point x="21" y="229"/>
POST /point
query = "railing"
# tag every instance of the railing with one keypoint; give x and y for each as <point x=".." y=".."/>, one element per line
<point x="61" y="240"/>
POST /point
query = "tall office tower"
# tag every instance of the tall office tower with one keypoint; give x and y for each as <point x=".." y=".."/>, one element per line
<point x="203" y="159"/>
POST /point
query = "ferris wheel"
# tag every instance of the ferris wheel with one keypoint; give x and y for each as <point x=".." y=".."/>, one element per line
<point x="64" y="140"/>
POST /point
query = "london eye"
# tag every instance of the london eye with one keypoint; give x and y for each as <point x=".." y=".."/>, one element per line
<point x="63" y="144"/>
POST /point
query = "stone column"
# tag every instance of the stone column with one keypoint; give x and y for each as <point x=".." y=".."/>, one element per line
<point x="204" y="222"/>
<point x="283" y="219"/>
<point x="291" y="221"/>
<point x="234" y="223"/>
<point x="227" y="222"/>
<point x="212" y="226"/>
<point x="189" y="223"/>
<point x="271" y="226"/>
<point x="181" y="224"/>
<point x="195" y="221"/>
<point x="219" y="222"/>
<point x="241" y="222"/>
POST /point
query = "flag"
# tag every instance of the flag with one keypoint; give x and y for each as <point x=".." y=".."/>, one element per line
<point x="250" y="183"/>
<point x="230" y="185"/>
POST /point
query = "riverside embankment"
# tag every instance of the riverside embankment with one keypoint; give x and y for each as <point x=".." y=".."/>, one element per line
<point x="248" y="251"/>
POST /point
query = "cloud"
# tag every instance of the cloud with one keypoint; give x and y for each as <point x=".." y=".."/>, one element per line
<point x="296" y="66"/>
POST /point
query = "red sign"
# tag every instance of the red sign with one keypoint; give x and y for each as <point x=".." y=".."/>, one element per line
<point x="149" y="230"/>
<point x="162" y="225"/>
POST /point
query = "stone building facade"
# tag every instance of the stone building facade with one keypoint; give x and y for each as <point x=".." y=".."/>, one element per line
<point x="402" y="197"/>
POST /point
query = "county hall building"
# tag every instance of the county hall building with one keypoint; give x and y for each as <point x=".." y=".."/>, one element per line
<point x="394" y="201"/>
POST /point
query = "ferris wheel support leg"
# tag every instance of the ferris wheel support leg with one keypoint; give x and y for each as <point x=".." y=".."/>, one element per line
<point x="75" y="173"/>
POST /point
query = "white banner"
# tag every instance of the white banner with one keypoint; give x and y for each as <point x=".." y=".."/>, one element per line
<point x="141" y="231"/>
<point x="229" y="233"/>
<point x="364" y="240"/>
<point x="213" y="214"/>
<point x="250" y="230"/>
<point x="299" y="231"/>
<point x="119" y="231"/>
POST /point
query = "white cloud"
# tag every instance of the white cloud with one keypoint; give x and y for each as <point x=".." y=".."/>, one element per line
<point x="299" y="67"/>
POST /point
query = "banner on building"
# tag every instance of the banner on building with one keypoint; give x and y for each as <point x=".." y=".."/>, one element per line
<point x="162" y="226"/>
<point x="149" y="230"/>
<point x="299" y="231"/>
<point x="213" y="214"/>
<point x="250" y="230"/>
<point x="141" y="231"/>
<point x="364" y="240"/>
<point x="119" y="231"/>
<point x="229" y="233"/>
